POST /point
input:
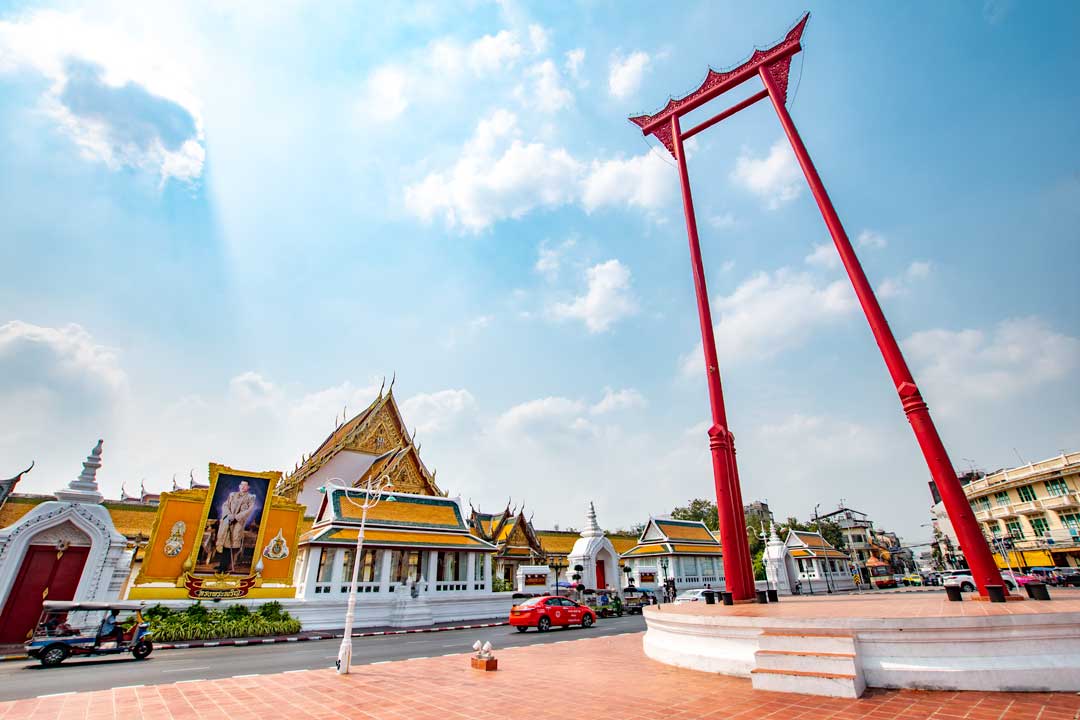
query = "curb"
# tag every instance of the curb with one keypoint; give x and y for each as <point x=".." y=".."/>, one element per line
<point x="298" y="638"/>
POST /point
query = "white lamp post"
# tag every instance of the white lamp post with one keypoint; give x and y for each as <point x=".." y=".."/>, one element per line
<point x="373" y="491"/>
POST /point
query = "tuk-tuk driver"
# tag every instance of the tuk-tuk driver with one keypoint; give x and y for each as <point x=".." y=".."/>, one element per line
<point x="110" y="628"/>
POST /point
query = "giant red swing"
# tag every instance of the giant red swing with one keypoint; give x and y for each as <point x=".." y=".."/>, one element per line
<point x="772" y="66"/>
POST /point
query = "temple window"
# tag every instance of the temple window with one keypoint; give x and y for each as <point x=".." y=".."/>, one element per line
<point x="450" y="566"/>
<point x="326" y="568"/>
<point x="406" y="565"/>
<point x="368" y="569"/>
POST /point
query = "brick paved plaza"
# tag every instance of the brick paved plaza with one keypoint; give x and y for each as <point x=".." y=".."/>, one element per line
<point x="586" y="677"/>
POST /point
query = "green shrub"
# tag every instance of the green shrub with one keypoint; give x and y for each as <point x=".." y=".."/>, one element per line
<point x="500" y="585"/>
<point x="197" y="622"/>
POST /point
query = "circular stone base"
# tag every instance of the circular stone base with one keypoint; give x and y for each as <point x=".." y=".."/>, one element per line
<point x="881" y="639"/>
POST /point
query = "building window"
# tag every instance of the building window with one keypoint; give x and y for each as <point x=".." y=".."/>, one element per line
<point x="1057" y="487"/>
<point x="450" y="567"/>
<point x="478" y="574"/>
<point x="1072" y="522"/>
<point x="1026" y="493"/>
<point x="1039" y="525"/>
<point x="406" y="565"/>
<point x="1016" y="532"/>
<point x="982" y="503"/>
<point x="994" y="528"/>
<point x="326" y="565"/>
<point x="368" y="569"/>
<point x="1002" y="499"/>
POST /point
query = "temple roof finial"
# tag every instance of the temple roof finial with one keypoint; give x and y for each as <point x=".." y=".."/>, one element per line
<point x="84" y="488"/>
<point x="592" y="528"/>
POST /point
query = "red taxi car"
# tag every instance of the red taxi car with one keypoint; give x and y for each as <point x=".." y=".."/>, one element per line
<point x="547" y="611"/>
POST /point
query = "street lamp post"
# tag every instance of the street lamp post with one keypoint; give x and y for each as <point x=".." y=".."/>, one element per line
<point x="664" y="567"/>
<point x="557" y="564"/>
<point x="373" y="491"/>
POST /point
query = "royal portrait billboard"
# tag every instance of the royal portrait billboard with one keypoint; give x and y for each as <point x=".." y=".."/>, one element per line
<point x="232" y="530"/>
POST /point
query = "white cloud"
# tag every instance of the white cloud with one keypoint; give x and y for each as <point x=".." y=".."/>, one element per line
<point x="550" y="413"/>
<point x="549" y="259"/>
<point x="386" y="96"/>
<point x="768" y="314"/>
<point x="824" y="256"/>
<point x="122" y="100"/>
<point x="57" y="359"/>
<point x="574" y="60"/>
<point x="607" y="300"/>
<point x="545" y="91"/>
<point x="643" y="181"/>
<point x="252" y="390"/>
<point x="900" y="284"/>
<point x="434" y="412"/>
<point x="538" y="38"/>
<point x="871" y="239"/>
<point x="615" y="400"/>
<point x="625" y="73"/>
<point x="723" y="221"/>
<point x="493" y="53"/>
<point x="488" y="183"/>
<point x="775" y="178"/>
<point x="499" y="176"/>
<point x="1018" y="356"/>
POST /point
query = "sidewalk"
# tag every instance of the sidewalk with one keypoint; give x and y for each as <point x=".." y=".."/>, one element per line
<point x="16" y="652"/>
<point x="593" y="677"/>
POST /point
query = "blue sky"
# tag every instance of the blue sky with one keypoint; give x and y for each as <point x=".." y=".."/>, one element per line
<point x="223" y="225"/>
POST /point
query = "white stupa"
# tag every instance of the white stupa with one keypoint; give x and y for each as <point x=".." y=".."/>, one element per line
<point x="597" y="556"/>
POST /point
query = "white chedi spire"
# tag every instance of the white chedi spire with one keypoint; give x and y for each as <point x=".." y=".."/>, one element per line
<point x="84" y="488"/>
<point x="592" y="528"/>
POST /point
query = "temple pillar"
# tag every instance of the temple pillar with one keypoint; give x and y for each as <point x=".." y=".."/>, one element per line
<point x="487" y="572"/>
<point x="337" y="569"/>
<point x="314" y="557"/>
<point x="432" y="569"/>
<point x="470" y="570"/>
<point x="384" y="572"/>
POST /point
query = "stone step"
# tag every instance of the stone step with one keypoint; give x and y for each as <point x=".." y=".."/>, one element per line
<point x="790" y="641"/>
<point x="808" y="683"/>
<point x="801" y="661"/>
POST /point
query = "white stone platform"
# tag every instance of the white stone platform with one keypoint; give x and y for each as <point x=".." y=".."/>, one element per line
<point x="841" y="644"/>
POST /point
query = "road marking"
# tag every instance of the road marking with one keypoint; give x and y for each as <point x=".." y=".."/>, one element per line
<point x="181" y="682"/>
<point x="246" y="676"/>
<point x="382" y="662"/>
<point x="128" y="687"/>
<point x="452" y="645"/>
<point x="61" y="694"/>
<point x="201" y="667"/>
<point x="294" y="671"/>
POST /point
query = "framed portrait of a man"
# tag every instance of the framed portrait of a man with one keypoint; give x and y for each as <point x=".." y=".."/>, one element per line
<point x="238" y="502"/>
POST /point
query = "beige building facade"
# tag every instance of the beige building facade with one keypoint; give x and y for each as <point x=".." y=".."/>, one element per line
<point x="1037" y="506"/>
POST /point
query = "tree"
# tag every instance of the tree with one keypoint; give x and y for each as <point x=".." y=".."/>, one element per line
<point x="699" y="509"/>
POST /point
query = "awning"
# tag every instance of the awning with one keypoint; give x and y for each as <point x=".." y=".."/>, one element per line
<point x="1026" y="558"/>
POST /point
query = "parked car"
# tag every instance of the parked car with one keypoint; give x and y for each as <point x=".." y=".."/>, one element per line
<point x="1068" y="576"/>
<point x="1049" y="575"/>
<point x="898" y="580"/>
<point x="87" y="629"/>
<point x="967" y="582"/>
<point x="689" y="596"/>
<point x="548" y="611"/>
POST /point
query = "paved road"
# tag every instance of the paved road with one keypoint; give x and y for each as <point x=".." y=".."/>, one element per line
<point x="28" y="679"/>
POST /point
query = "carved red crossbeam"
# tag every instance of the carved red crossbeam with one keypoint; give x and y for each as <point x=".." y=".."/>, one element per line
<point x="777" y="59"/>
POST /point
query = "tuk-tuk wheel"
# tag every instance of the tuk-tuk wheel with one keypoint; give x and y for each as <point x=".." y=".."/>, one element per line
<point x="54" y="655"/>
<point x="142" y="650"/>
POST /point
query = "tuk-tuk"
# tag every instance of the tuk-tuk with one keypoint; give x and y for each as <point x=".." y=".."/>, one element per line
<point x="604" y="604"/>
<point x="89" y="628"/>
<point x="635" y="600"/>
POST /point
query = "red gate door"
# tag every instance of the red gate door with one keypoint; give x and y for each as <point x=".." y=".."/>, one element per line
<point x="601" y="580"/>
<point x="45" y="574"/>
